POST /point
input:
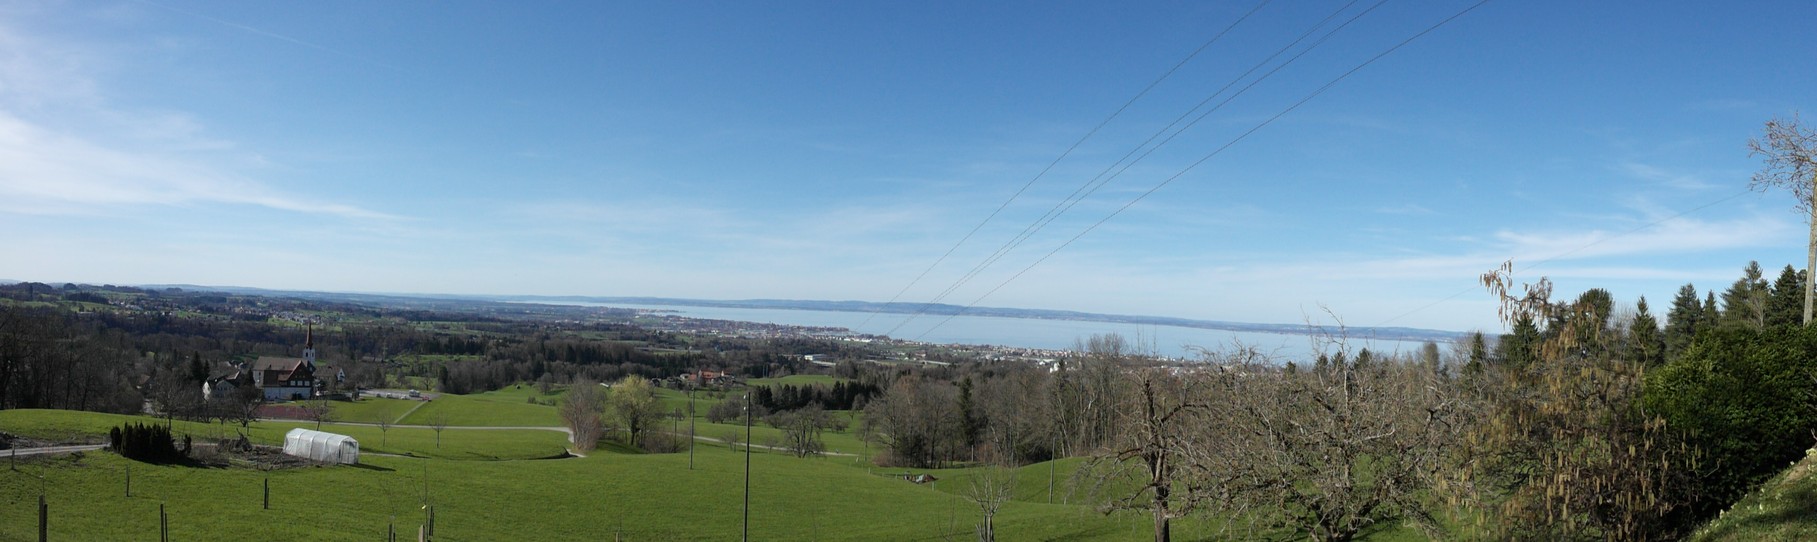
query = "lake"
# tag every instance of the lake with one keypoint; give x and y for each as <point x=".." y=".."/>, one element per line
<point x="1172" y="341"/>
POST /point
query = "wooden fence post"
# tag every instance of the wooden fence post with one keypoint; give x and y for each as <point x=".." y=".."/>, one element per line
<point x="129" y="480"/>
<point x="267" y="492"/>
<point x="43" y="520"/>
<point x="163" y="525"/>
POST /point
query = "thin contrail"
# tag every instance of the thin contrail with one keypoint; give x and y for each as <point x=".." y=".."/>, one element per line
<point x="268" y="34"/>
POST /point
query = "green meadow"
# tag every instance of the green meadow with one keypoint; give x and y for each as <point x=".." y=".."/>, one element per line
<point x="604" y="495"/>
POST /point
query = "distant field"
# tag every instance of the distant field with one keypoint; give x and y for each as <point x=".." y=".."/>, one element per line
<point x="372" y="409"/>
<point x="502" y="408"/>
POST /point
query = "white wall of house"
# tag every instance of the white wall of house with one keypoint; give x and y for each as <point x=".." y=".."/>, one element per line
<point x="286" y="393"/>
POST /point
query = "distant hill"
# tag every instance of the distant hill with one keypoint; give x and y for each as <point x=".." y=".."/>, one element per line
<point x="941" y="309"/>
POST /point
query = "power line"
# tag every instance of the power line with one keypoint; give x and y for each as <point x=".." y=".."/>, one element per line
<point x="1068" y="152"/>
<point x="1567" y="253"/>
<point x="1208" y="156"/>
<point x="1091" y="186"/>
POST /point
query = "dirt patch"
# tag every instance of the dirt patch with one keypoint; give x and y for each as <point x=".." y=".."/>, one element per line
<point x="9" y="441"/>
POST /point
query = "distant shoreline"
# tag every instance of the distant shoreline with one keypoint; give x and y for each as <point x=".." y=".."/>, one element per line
<point x="1377" y="333"/>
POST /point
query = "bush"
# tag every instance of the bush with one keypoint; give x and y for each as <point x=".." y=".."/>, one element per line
<point x="145" y="443"/>
<point x="1743" y="398"/>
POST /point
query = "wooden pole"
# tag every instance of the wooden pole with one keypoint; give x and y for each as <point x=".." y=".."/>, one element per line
<point x="746" y="525"/>
<point x="43" y="520"/>
<point x="268" y="493"/>
<point x="163" y="525"/>
<point x="129" y="481"/>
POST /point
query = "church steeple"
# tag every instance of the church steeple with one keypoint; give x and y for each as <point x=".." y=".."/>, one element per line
<point x="309" y="346"/>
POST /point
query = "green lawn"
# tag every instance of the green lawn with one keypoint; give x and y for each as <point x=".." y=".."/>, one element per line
<point x="372" y="409"/>
<point x="495" y="409"/>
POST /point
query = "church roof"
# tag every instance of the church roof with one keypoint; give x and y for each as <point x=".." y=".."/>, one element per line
<point x="269" y="363"/>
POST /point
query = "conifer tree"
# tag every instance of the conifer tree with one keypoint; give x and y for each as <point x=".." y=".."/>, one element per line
<point x="1745" y="303"/>
<point x="1479" y="353"/>
<point x="1644" y="339"/>
<point x="1785" y="300"/>
<point x="1516" y="349"/>
<point x="1683" y="321"/>
<point x="1711" y="315"/>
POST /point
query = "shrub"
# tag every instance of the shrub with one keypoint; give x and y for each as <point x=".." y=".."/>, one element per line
<point x="1744" y="399"/>
<point x="145" y="443"/>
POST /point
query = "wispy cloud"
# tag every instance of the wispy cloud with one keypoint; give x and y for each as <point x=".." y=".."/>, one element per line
<point x="1405" y="209"/>
<point x="45" y="172"/>
<point x="98" y="158"/>
<point x="1672" y="179"/>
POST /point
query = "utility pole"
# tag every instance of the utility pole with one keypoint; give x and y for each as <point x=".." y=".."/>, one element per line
<point x="747" y="466"/>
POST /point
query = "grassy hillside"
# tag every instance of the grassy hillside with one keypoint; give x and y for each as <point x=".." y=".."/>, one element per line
<point x="1785" y="508"/>
<point x="470" y="444"/>
<point x="647" y="497"/>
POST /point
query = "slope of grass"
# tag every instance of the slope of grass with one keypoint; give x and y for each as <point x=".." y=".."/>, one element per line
<point x="1784" y="508"/>
<point x="492" y="409"/>
<point x="642" y="497"/>
<point x="602" y="496"/>
<point x="371" y="409"/>
<point x="471" y="444"/>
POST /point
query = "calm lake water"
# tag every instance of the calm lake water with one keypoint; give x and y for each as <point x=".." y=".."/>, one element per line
<point x="1027" y="332"/>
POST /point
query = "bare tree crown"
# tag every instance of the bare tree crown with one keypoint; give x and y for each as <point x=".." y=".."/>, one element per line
<point x="1790" y="149"/>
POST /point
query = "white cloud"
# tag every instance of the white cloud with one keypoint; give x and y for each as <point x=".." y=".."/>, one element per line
<point x="97" y="158"/>
<point x="1672" y="179"/>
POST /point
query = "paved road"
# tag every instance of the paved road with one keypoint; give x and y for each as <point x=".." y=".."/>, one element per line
<point x="47" y="450"/>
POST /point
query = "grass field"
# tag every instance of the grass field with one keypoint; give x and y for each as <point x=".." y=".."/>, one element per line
<point x="1784" y="508"/>
<point x="644" y="497"/>
<point x="472" y="444"/>
<point x="372" y="409"/>
<point x="503" y="408"/>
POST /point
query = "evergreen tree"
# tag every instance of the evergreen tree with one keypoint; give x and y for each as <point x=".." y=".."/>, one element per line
<point x="1479" y="353"/>
<point x="1785" y="299"/>
<point x="1711" y="315"/>
<point x="1683" y="321"/>
<point x="1745" y="303"/>
<point x="1644" y="339"/>
<point x="198" y="371"/>
<point x="1517" y="349"/>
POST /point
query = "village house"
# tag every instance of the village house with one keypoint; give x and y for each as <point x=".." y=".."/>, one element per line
<point x="285" y="379"/>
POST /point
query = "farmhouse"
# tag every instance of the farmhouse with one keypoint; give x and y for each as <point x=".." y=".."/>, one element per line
<point x="284" y="379"/>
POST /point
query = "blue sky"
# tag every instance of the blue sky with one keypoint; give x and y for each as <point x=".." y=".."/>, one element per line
<point x="835" y="150"/>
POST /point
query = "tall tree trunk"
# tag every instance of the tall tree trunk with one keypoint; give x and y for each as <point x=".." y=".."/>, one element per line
<point x="1810" y="268"/>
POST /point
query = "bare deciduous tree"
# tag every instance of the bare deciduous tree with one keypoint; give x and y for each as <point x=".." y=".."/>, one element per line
<point x="1159" y="420"/>
<point x="1331" y="450"/>
<point x="319" y="410"/>
<point x="990" y="488"/>
<point x="438" y="421"/>
<point x="1565" y="448"/>
<point x="1790" y="150"/>
<point x="581" y="409"/>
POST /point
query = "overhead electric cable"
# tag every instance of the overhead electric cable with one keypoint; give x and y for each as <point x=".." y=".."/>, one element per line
<point x="1562" y="255"/>
<point x="1068" y="152"/>
<point x="1208" y="156"/>
<point x="1091" y="186"/>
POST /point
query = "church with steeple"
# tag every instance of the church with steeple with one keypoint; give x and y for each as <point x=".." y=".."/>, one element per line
<point x="287" y="379"/>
